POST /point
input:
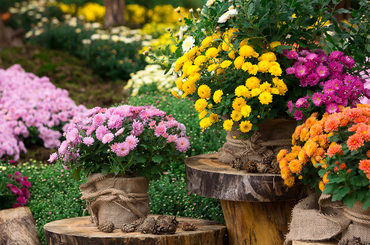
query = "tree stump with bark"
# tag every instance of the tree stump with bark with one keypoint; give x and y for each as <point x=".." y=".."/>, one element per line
<point x="114" y="13"/>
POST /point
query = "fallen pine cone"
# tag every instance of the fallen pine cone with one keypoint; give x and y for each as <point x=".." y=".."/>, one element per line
<point x="166" y="219"/>
<point x="106" y="227"/>
<point x="146" y="225"/>
<point x="160" y="229"/>
<point x="188" y="227"/>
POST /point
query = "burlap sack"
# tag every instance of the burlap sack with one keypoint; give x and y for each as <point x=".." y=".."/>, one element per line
<point x="272" y="136"/>
<point x="312" y="222"/>
<point x="117" y="199"/>
<point x="360" y="225"/>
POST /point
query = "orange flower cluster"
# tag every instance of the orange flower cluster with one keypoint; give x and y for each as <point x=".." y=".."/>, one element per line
<point x="312" y="144"/>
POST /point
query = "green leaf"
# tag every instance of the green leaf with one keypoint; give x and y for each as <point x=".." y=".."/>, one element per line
<point x="350" y="199"/>
<point x="343" y="191"/>
<point x="140" y="159"/>
<point x="76" y="174"/>
<point x="157" y="158"/>
<point x="336" y="197"/>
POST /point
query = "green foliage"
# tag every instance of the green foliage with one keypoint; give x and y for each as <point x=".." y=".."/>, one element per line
<point x="169" y="196"/>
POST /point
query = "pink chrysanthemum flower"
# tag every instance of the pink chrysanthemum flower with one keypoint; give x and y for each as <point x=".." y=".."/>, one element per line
<point x="123" y="149"/>
<point x="107" y="138"/>
<point x="290" y="106"/>
<point x="290" y="70"/>
<point x="120" y="131"/>
<point x="300" y="71"/>
<point x="182" y="144"/>
<point x="172" y="138"/>
<point x="160" y="130"/>
<point x="101" y="131"/>
<point x="298" y="115"/>
<point x="322" y="71"/>
<point x="132" y="141"/>
<point x="88" y="141"/>
<point x="53" y="157"/>
<point x="98" y="120"/>
<point x="332" y="108"/>
<point x="292" y="55"/>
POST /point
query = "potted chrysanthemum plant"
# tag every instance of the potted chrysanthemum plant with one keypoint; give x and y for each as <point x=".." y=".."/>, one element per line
<point x="121" y="149"/>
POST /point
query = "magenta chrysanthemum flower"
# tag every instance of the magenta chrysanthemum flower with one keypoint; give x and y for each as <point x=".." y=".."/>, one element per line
<point x="182" y="144"/>
<point x="25" y="192"/>
<point x="88" y="141"/>
<point x="107" y="138"/>
<point x="160" y="130"/>
<point x="14" y="189"/>
<point x="290" y="106"/>
<point x="132" y="141"/>
<point x="123" y="149"/>
<point x="317" y="99"/>
<point x="313" y="79"/>
<point x="337" y="84"/>
<point x="311" y="56"/>
<point x="298" y="115"/>
<point x="22" y="200"/>
<point x="16" y="205"/>
<point x="335" y="67"/>
<point x="322" y="71"/>
<point x="26" y="184"/>
<point x="332" y="108"/>
<point x="335" y="55"/>
<point x="348" y="80"/>
<point x="348" y="61"/>
<point x="301" y="71"/>
<point x="292" y="55"/>
<point x="290" y="70"/>
<point x="98" y="120"/>
<point x="322" y="57"/>
<point x="310" y="66"/>
<point x="302" y="102"/>
<point x="329" y="87"/>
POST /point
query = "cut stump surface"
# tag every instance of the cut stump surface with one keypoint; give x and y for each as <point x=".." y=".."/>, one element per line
<point x="81" y="231"/>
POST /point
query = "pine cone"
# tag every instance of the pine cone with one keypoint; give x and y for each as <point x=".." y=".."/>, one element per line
<point x="138" y="222"/>
<point x="166" y="219"/>
<point x="268" y="160"/>
<point x="188" y="227"/>
<point x="250" y="167"/>
<point x="262" y="168"/>
<point x="146" y="225"/>
<point x="236" y="163"/>
<point x="126" y="228"/>
<point x="353" y="241"/>
<point x="161" y="229"/>
<point x="106" y="227"/>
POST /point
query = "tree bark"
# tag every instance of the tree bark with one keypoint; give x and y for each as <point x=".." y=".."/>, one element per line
<point x="114" y="13"/>
<point x="4" y="40"/>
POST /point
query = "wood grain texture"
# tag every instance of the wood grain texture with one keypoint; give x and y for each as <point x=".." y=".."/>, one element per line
<point x="206" y="176"/>
<point x="313" y="243"/>
<point x="256" y="223"/>
<point x="17" y="227"/>
<point x="81" y="231"/>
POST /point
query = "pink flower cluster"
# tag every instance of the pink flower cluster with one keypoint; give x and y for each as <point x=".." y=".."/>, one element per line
<point x="329" y="76"/>
<point x="19" y="188"/>
<point x="29" y="101"/>
<point x="122" y="128"/>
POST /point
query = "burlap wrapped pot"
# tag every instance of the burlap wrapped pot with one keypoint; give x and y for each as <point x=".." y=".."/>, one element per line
<point x="115" y="198"/>
<point x="272" y="136"/>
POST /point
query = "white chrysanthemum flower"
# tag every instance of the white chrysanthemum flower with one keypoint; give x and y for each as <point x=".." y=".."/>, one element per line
<point x="95" y="36"/>
<point x="115" y="38"/>
<point x="180" y="34"/>
<point x="210" y="2"/>
<point x="95" y="25"/>
<point x="223" y="18"/>
<point x="28" y="34"/>
<point x="104" y="37"/>
<point x="86" y="41"/>
<point x="188" y="44"/>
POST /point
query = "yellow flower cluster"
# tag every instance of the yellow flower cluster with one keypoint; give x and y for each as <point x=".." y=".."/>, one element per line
<point x="166" y="14"/>
<point x="200" y="69"/>
<point x="135" y="13"/>
<point x="93" y="12"/>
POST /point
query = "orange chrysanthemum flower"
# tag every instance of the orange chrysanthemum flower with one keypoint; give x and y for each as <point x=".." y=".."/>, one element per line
<point x="302" y="156"/>
<point x="295" y="166"/>
<point x="281" y="154"/>
<point x="321" y="186"/>
<point x="283" y="163"/>
<point x="364" y="131"/>
<point x="323" y="141"/>
<point x="297" y="132"/>
<point x="368" y="153"/>
<point x="325" y="178"/>
<point x="289" y="181"/>
<point x="310" y="121"/>
<point x="331" y="124"/>
<point x="361" y="119"/>
<point x="316" y="130"/>
<point x="334" y="149"/>
<point x="285" y="173"/>
<point x="296" y="149"/>
<point x="365" y="165"/>
<point x="311" y="147"/>
<point x="290" y="157"/>
<point x="344" y="122"/>
<point x="354" y="142"/>
<point x="304" y="134"/>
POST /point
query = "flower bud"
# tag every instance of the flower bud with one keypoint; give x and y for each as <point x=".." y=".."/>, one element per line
<point x="168" y="29"/>
<point x="198" y="10"/>
<point x="191" y="10"/>
<point x="180" y="20"/>
<point x="145" y="53"/>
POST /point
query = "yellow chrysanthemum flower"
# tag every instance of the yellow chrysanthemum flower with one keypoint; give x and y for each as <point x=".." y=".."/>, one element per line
<point x="205" y="123"/>
<point x="212" y="67"/>
<point x="212" y="53"/>
<point x="202" y="114"/>
<point x="274" y="44"/>
<point x="188" y="87"/>
<point x="265" y="98"/>
<point x="246" y="110"/>
<point x="226" y="63"/>
<point x="244" y="42"/>
<point x="246" y="51"/>
<point x="275" y="70"/>
<point x="321" y="186"/>
<point x="220" y="71"/>
<point x="241" y="91"/>
<point x="252" y="83"/>
<point x="255" y="92"/>
<point x="200" y="105"/>
<point x="192" y="69"/>
<point x="206" y="43"/>
<point x="200" y="60"/>
<point x="265" y="87"/>
<point x="238" y="62"/>
<point x="238" y="103"/>
<point x="213" y="117"/>
<point x="245" y="126"/>
<point x="269" y="56"/>
<point x="204" y="91"/>
<point x="174" y="93"/>
<point x="186" y="66"/>
<point x="228" y="124"/>
<point x="246" y="66"/>
<point x="253" y="70"/>
<point x="236" y="115"/>
<point x="179" y="83"/>
<point x="217" y="96"/>
<point x="231" y="54"/>
<point x="263" y="66"/>
<point x="295" y="166"/>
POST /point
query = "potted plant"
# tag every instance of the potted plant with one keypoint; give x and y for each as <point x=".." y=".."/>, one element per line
<point x="231" y="59"/>
<point x="331" y="156"/>
<point x="121" y="149"/>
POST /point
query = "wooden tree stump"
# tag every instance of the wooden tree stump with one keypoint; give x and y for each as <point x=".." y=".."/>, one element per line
<point x="314" y="243"/>
<point x="257" y="207"/>
<point x="17" y="227"/>
<point x="81" y="231"/>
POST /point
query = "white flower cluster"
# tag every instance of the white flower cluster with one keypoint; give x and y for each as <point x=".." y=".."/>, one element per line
<point x="151" y="75"/>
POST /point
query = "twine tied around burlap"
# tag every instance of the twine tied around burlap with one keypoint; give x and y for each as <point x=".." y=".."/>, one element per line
<point x="116" y="199"/>
<point x="261" y="148"/>
<point x="317" y="218"/>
